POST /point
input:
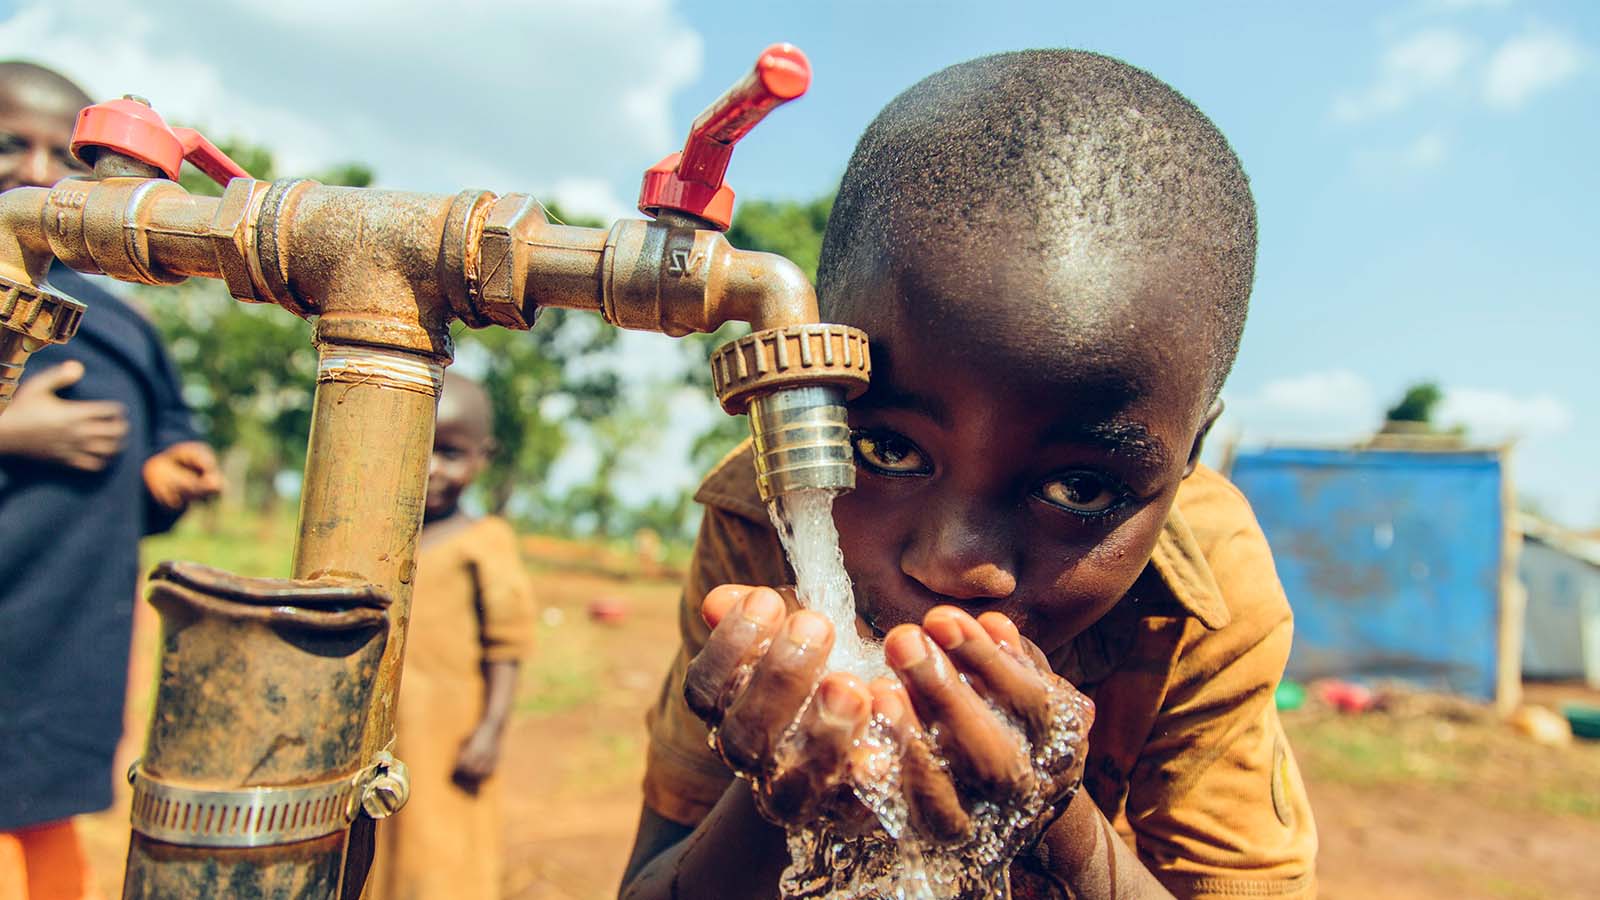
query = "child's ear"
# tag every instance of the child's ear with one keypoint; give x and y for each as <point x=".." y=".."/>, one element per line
<point x="1200" y="436"/>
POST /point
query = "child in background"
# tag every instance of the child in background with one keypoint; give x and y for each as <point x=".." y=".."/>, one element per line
<point x="1052" y="252"/>
<point x="472" y="619"/>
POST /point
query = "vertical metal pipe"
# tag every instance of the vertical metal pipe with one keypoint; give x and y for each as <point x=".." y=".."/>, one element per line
<point x="365" y="479"/>
<point x="361" y="510"/>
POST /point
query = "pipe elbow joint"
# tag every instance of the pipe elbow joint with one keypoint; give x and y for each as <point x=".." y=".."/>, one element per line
<point x="769" y="291"/>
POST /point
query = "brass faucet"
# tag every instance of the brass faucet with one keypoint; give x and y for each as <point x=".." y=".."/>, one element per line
<point x="383" y="274"/>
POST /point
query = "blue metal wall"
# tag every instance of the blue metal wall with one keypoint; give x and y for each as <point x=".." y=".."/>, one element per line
<point x="1391" y="560"/>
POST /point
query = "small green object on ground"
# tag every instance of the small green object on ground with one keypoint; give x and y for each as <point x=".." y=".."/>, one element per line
<point x="1585" y="720"/>
<point x="1291" y="695"/>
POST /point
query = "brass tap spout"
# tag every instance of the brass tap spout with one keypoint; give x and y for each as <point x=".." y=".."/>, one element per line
<point x="31" y="316"/>
<point x="24" y="251"/>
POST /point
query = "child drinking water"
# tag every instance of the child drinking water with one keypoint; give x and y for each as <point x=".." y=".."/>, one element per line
<point x="1052" y="252"/>
<point x="472" y="619"/>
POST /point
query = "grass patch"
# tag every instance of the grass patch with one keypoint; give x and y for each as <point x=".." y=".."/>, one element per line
<point x="241" y="543"/>
<point x="563" y="673"/>
<point x="1504" y="769"/>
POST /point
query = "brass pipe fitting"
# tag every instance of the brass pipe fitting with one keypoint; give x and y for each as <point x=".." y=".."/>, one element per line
<point x="794" y="382"/>
<point x="30" y="317"/>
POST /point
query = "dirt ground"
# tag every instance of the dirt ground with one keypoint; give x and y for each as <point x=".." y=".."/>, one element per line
<point x="1410" y="803"/>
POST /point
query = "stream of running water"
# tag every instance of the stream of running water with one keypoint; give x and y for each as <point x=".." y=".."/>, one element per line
<point x="892" y="862"/>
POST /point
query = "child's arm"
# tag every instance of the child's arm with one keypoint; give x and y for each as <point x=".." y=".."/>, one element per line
<point x="480" y="752"/>
<point x="732" y="853"/>
<point x="1081" y="855"/>
<point x="506" y="608"/>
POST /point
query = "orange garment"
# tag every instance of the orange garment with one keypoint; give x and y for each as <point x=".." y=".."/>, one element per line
<point x="1187" y="756"/>
<point x="473" y="603"/>
<point x="45" y="862"/>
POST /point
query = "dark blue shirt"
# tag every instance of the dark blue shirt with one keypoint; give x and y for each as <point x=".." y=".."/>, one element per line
<point x="69" y="568"/>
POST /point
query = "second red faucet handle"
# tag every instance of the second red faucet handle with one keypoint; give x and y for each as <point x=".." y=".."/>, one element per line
<point x="691" y="181"/>
<point x="780" y="74"/>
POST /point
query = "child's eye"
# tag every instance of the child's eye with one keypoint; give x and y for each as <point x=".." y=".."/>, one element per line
<point x="889" y="454"/>
<point x="1083" y="493"/>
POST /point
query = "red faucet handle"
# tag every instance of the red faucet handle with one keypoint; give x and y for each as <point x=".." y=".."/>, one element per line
<point x="131" y="128"/>
<point x="691" y="181"/>
<point x="204" y="155"/>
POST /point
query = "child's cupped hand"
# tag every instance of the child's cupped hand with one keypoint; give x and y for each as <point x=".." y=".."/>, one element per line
<point x="762" y="663"/>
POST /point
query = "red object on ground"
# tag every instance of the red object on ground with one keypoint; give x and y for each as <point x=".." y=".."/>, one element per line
<point x="608" y="610"/>
<point x="1345" y="696"/>
<point x="691" y="180"/>
<point x="134" y="129"/>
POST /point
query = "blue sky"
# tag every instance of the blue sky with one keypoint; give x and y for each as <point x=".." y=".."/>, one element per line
<point x="1424" y="170"/>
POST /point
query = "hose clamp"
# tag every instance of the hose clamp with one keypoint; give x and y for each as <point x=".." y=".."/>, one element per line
<point x="243" y="817"/>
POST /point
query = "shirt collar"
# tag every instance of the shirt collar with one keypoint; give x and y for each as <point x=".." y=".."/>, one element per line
<point x="1182" y="566"/>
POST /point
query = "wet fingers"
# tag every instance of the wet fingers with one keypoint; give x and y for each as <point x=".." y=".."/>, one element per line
<point x="1003" y="677"/>
<point x="812" y="764"/>
<point x="985" y="752"/>
<point x="744" y="620"/>
<point x="933" y="804"/>
<point x="779" y="686"/>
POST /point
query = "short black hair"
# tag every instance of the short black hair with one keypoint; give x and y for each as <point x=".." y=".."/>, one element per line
<point x="1064" y="141"/>
<point x="33" y="83"/>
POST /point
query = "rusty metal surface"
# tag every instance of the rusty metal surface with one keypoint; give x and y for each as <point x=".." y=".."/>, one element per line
<point x="264" y="684"/>
<point x="794" y="356"/>
<point x="307" y="870"/>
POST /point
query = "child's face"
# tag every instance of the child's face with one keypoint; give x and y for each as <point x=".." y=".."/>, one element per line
<point x="460" y="451"/>
<point x="1014" y="461"/>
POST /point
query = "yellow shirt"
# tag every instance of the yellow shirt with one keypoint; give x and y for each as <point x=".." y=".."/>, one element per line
<point x="473" y="604"/>
<point x="1187" y="756"/>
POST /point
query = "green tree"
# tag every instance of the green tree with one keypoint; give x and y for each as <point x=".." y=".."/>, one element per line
<point x="1417" y="404"/>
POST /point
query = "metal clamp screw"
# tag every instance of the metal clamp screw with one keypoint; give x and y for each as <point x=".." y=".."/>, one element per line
<point x="388" y="788"/>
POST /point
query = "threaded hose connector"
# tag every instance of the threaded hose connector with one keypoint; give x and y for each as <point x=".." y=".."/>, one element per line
<point x="30" y="317"/>
<point x="801" y="441"/>
<point x="790" y="356"/>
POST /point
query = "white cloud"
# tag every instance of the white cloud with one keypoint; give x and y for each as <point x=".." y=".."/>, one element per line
<point x="1341" y="405"/>
<point x="1534" y="61"/>
<point x="1495" y="415"/>
<point x="1424" y="63"/>
<point x="1337" y="393"/>
<point x="1330" y="405"/>
<point x="567" y="100"/>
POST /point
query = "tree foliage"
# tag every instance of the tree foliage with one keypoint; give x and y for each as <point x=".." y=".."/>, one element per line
<point x="1417" y="404"/>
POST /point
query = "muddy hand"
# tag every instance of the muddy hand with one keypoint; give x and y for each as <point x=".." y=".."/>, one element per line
<point x="752" y="682"/>
<point x="987" y="756"/>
